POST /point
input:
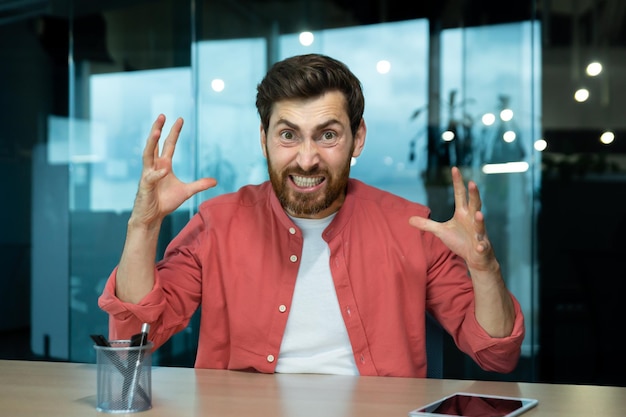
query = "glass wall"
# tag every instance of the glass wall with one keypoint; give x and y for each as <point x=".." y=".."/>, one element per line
<point x="435" y="97"/>
<point x="493" y="107"/>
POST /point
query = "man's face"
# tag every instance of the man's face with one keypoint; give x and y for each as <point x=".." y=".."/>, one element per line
<point x="309" y="147"/>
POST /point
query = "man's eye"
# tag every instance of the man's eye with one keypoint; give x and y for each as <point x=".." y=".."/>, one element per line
<point x="287" y="135"/>
<point x="329" y="136"/>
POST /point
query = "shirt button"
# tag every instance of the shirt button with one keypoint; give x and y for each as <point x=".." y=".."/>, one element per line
<point x="292" y="230"/>
<point x="270" y="358"/>
<point x="282" y="308"/>
<point x="293" y="258"/>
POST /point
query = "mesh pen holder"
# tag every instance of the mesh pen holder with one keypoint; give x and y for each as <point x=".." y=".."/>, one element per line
<point x="124" y="375"/>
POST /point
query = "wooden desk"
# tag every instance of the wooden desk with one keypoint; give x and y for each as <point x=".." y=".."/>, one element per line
<point x="40" y="389"/>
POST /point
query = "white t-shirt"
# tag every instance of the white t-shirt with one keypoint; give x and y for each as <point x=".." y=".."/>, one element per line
<point x="315" y="339"/>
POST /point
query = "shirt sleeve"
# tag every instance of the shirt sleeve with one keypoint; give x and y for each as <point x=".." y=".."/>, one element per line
<point x="126" y="319"/>
<point x="495" y="354"/>
<point x="451" y="299"/>
<point x="174" y="298"/>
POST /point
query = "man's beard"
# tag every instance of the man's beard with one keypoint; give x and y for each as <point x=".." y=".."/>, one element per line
<point x="308" y="204"/>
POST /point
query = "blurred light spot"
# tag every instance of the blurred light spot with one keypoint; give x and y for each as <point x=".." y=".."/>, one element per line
<point x="217" y="85"/>
<point x="488" y="119"/>
<point x="581" y="95"/>
<point x="594" y="68"/>
<point x="448" y="135"/>
<point x="506" y="115"/>
<point x="607" y="137"/>
<point x="383" y="66"/>
<point x="509" y="136"/>
<point x="505" y="168"/>
<point x="306" y="38"/>
<point x="540" y="145"/>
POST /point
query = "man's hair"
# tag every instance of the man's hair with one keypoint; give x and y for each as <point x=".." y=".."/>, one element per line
<point x="309" y="76"/>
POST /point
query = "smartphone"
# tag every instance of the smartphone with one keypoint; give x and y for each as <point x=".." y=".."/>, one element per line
<point x="465" y="404"/>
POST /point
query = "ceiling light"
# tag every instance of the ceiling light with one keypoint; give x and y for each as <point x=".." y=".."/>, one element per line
<point x="506" y="168"/>
<point x="594" y="68"/>
<point x="383" y="66"/>
<point x="488" y="119"/>
<point x="306" y="38"/>
<point x="218" y="85"/>
<point x="607" y="137"/>
<point x="509" y="136"/>
<point x="506" y="115"/>
<point x="582" y="94"/>
<point x="540" y="145"/>
<point x="447" y="136"/>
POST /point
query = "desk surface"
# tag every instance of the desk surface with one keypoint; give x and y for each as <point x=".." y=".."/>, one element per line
<point x="68" y="389"/>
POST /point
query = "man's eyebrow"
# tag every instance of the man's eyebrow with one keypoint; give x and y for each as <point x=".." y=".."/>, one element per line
<point x="321" y="126"/>
<point x="288" y="123"/>
<point x="328" y="123"/>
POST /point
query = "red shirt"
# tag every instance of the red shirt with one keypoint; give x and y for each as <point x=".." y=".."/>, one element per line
<point x="238" y="259"/>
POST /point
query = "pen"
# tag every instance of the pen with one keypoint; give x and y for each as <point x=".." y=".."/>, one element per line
<point x="138" y="341"/>
<point x="100" y="340"/>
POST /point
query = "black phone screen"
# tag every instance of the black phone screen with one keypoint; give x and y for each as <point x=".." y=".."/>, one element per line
<point x="474" y="405"/>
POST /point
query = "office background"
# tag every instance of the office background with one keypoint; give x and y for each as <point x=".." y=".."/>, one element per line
<point x="490" y="86"/>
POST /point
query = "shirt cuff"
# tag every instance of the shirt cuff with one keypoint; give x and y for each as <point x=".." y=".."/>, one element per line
<point x="148" y="310"/>
<point x="485" y="341"/>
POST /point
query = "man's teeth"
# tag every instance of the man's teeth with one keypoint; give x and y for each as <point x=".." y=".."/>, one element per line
<point x="306" y="181"/>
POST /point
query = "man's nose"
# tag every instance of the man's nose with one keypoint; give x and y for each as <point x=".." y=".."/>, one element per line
<point x="308" y="154"/>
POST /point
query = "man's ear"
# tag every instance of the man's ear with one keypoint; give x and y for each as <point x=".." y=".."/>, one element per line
<point x="263" y="140"/>
<point x="359" y="139"/>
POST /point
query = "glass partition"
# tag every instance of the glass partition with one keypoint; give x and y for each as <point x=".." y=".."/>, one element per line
<point x="113" y="104"/>
<point x="228" y="146"/>
<point x="433" y="99"/>
<point x="492" y="104"/>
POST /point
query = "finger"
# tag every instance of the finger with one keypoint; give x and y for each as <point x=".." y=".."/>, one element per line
<point x="201" y="185"/>
<point x="170" y="142"/>
<point x="483" y="244"/>
<point x="154" y="176"/>
<point x="475" y="202"/>
<point x="422" y="223"/>
<point x="479" y="225"/>
<point x="460" y="194"/>
<point x="482" y="240"/>
<point x="150" y="152"/>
